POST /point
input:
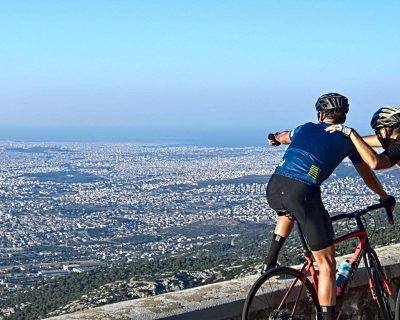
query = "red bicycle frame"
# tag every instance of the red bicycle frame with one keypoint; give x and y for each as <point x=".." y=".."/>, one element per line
<point x="308" y="267"/>
<point x="363" y="250"/>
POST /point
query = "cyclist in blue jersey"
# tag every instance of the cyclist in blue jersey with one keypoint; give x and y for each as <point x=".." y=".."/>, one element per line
<point x="294" y="189"/>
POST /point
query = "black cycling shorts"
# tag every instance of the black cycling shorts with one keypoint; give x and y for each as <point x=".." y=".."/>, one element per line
<point x="304" y="203"/>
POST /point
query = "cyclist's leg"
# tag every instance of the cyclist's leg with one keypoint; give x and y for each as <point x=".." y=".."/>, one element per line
<point x="284" y="225"/>
<point x="307" y="207"/>
<point x="325" y="259"/>
<point x="320" y="237"/>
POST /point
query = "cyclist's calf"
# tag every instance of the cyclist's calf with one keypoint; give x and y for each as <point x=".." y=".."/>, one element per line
<point x="325" y="259"/>
<point x="326" y="264"/>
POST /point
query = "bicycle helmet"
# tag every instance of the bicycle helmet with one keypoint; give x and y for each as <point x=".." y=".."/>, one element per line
<point x="386" y="117"/>
<point x="332" y="101"/>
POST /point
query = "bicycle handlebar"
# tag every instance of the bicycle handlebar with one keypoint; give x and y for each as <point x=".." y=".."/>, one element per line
<point x="342" y="216"/>
<point x="387" y="205"/>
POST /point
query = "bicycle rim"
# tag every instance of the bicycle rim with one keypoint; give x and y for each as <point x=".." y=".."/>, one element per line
<point x="397" y="312"/>
<point x="382" y="296"/>
<point x="282" y="294"/>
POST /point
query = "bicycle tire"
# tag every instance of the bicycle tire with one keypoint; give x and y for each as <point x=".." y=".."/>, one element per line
<point x="281" y="276"/>
<point x="397" y="311"/>
<point x="382" y="296"/>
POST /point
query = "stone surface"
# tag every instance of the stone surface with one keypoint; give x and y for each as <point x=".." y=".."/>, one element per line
<point x="225" y="300"/>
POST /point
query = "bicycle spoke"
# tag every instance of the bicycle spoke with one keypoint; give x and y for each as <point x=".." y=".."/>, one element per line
<point x="297" y="299"/>
<point x="282" y="296"/>
<point x="288" y="292"/>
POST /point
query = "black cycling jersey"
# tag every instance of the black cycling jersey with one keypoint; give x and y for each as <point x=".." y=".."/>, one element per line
<point x="393" y="152"/>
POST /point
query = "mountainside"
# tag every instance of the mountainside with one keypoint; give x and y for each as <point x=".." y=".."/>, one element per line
<point x="216" y="262"/>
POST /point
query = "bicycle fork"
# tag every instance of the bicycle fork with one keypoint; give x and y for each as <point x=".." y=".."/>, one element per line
<point x="381" y="275"/>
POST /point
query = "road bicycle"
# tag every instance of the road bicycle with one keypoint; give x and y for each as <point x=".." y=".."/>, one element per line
<point x="285" y="293"/>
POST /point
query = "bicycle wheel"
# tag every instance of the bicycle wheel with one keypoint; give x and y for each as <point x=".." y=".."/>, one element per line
<point x="282" y="294"/>
<point x="382" y="295"/>
<point x="397" y="311"/>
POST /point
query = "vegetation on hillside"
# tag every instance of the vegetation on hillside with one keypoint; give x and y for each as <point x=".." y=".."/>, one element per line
<point x="217" y="261"/>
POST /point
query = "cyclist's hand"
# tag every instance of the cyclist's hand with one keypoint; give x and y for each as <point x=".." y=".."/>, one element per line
<point x="389" y="202"/>
<point x="272" y="140"/>
<point x="340" y="128"/>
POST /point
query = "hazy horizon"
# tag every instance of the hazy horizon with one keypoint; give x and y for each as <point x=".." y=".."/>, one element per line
<point x="214" y="137"/>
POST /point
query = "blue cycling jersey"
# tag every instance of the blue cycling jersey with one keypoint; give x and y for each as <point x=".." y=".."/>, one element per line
<point x="314" y="154"/>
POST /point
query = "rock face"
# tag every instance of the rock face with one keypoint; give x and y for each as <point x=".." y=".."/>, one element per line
<point x="224" y="300"/>
<point x="136" y="289"/>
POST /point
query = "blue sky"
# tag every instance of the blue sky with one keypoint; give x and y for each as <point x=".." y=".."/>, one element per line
<point x="174" y="68"/>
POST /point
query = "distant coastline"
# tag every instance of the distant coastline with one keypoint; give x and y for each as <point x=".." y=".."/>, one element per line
<point x="206" y="138"/>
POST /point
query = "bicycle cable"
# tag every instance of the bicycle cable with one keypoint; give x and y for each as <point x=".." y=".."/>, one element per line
<point x="349" y="220"/>
<point x="372" y="218"/>
<point x="348" y="226"/>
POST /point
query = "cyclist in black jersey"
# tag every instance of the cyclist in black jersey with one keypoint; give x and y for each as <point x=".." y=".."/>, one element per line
<point x="386" y="123"/>
<point x="294" y="189"/>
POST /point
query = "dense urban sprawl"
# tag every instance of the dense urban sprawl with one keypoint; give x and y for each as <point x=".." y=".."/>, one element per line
<point x="70" y="207"/>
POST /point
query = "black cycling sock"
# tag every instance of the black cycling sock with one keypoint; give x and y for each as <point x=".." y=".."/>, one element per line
<point x="328" y="312"/>
<point x="276" y="245"/>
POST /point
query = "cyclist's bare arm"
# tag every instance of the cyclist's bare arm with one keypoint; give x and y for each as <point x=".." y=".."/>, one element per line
<point x="284" y="137"/>
<point x="372" y="141"/>
<point x="374" y="160"/>
<point x="281" y="137"/>
<point x="371" y="180"/>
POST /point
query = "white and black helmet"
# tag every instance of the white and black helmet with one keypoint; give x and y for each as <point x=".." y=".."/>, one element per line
<point x="386" y="117"/>
<point x="332" y="101"/>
